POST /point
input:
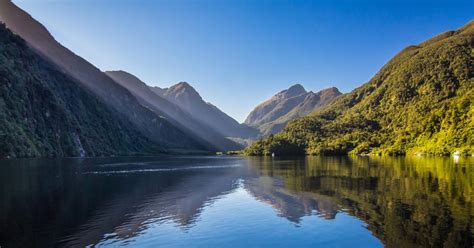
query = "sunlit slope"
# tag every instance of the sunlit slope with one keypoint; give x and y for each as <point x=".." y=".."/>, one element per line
<point x="272" y="115"/>
<point x="420" y="101"/>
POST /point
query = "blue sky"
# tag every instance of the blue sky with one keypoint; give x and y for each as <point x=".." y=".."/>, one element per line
<point x="238" y="53"/>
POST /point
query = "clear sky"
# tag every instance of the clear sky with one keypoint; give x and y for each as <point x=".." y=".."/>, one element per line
<point x="239" y="53"/>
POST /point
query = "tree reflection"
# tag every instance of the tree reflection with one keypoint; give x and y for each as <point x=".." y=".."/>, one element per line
<point x="405" y="201"/>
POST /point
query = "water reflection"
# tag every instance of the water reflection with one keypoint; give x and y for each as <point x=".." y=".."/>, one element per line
<point x="404" y="202"/>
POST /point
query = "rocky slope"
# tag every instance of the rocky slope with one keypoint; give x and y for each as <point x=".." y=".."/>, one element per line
<point x="188" y="99"/>
<point x="172" y="111"/>
<point x="272" y="115"/>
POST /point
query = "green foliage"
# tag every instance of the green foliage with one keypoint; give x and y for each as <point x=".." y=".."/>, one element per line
<point x="420" y="102"/>
<point x="45" y="113"/>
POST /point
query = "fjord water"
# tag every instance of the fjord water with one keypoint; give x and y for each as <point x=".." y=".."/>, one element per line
<point x="237" y="202"/>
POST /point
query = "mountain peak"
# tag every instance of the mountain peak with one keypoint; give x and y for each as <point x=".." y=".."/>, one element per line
<point x="184" y="87"/>
<point x="331" y="90"/>
<point x="183" y="90"/>
<point x="273" y="114"/>
<point x="184" y="84"/>
<point x="296" y="89"/>
<point x="188" y="99"/>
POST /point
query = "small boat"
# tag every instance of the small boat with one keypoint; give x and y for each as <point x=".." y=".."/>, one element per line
<point x="273" y="154"/>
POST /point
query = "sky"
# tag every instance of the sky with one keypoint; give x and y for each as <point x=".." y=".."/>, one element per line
<point x="238" y="53"/>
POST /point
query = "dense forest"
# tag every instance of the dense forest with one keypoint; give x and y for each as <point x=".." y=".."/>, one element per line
<point x="45" y="113"/>
<point x="420" y="102"/>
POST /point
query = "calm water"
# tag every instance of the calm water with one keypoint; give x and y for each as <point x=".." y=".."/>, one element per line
<point x="237" y="202"/>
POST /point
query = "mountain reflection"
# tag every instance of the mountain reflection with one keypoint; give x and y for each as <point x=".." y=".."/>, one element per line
<point x="405" y="202"/>
<point x="292" y="205"/>
<point x="67" y="203"/>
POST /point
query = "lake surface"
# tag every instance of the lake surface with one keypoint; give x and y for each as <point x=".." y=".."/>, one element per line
<point x="237" y="202"/>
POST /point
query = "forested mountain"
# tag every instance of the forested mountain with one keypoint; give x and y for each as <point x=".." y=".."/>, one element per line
<point x="114" y="95"/>
<point x="272" y="115"/>
<point x="421" y="101"/>
<point x="46" y="113"/>
<point x="172" y="111"/>
<point x="188" y="99"/>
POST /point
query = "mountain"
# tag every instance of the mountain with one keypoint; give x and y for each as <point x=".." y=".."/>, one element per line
<point x="273" y="115"/>
<point x="421" y="101"/>
<point x="148" y="122"/>
<point x="172" y="111"/>
<point x="45" y="113"/>
<point x="188" y="99"/>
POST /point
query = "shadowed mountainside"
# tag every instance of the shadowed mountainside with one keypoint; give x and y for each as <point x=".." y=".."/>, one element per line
<point x="185" y="96"/>
<point x="170" y="109"/>
<point x="120" y="99"/>
<point x="45" y="113"/>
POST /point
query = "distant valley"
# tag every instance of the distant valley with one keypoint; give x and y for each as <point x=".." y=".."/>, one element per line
<point x="162" y="120"/>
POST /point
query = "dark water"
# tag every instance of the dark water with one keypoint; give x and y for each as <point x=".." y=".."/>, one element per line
<point x="237" y="202"/>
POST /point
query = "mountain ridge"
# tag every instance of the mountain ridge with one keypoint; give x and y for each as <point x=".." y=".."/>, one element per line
<point x="185" y="96"/>
<point x="273" y="114"/>
<point x="114" y="95"/>
<point x="46" y="113"/>
<point x="420" y="102"/>
<point x="171" y="110"/>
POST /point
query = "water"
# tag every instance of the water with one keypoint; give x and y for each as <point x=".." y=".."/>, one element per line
<point x="237" y="202"/>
